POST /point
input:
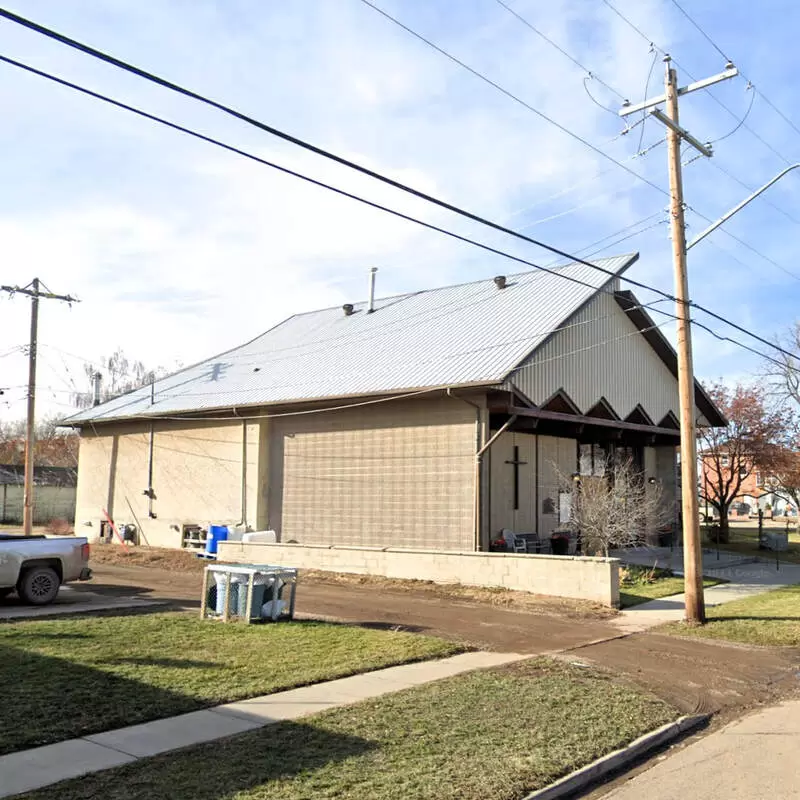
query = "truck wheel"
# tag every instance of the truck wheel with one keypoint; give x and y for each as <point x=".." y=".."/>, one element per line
<point x="38" y="586"/>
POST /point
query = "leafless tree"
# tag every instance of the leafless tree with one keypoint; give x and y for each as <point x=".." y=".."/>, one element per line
<point x="617" y="510"/>
<point x="119" y="376"/>
<point x="782" y="373"/>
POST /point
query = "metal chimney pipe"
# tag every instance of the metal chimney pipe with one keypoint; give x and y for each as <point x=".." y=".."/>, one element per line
<point x="97" y="377"/>
<point x="371" y="306"/>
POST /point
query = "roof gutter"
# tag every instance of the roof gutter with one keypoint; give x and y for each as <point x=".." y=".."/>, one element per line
<point x="252" y="411"/>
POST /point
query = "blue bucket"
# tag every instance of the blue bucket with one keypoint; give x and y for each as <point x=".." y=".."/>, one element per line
<point x="216" y="534"/>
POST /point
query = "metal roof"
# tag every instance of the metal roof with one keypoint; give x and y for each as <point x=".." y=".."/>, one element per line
<point x="472" y="333"/>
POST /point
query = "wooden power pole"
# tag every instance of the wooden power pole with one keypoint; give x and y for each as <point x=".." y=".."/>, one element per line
<point x="34" y="292"/>
<point x="692" y="549"/>
<point x="30" y="430"/>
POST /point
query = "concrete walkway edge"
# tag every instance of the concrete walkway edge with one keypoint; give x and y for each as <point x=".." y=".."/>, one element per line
<point x="42" y="766"/>
<point x="603" y="766"/>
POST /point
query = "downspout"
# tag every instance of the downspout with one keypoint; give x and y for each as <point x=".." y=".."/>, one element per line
<point x="476" y="499"/>
<point x="150" y="493"/>
<point x="244" y="472"/>
<point x="480" y="449"/>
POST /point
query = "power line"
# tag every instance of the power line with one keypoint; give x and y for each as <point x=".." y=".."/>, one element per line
<point x="625" y="238"/>
<point x="429" y="390"/>
<point x="512" y="96"/>
<point x="252" y="357"/>
<point x="561" y="50"/>
<point x="696" y="25"/>
<point x="708" y="38"/>
<point x="308" y="146"/>
<point x="783" y="158"/>
<point x="655" y="49"/>
<point x="583" y="141"/>
<point x="691" y="77"/>
<point x="388" y="210"/>
<point x="441" y="203"/>
<point x="750" y="188"/>
<point x="777" y="110"/>
<point x="592" y="97"/>
<point x="748" y="246"/>
<point x="742" y="121"/>
<point x="646" y="90"/>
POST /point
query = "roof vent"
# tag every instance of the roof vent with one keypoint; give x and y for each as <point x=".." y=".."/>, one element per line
<point x="348" y="309"/>
<point x="500" y="281"/>
<point x="371" y="306"/>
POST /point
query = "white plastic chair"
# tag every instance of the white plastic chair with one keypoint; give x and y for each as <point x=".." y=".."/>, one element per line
<point x="512" y="542"/>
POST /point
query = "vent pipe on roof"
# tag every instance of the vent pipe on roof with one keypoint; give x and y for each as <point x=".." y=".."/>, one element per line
<point x="97" y="377"/>
<point x="371" y="306"/>
<point x="348" y="309"/>
<point x="500" y="281"/>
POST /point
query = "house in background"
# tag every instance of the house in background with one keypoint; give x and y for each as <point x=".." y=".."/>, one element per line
<point x="758" y="490"/>
<point x="431" y="420"/>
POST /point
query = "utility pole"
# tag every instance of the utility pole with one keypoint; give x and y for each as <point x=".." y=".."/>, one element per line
<point x="692" y="547"/>
<point x="34" y="292"/>
<point x="690" y="511"/>
<point x="30" y="433"/>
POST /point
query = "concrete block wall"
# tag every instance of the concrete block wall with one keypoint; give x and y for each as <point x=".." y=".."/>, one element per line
<point x="595" y="579"/>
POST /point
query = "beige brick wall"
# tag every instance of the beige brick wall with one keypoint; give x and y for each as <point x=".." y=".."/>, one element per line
<point x="594" y="579"/>
<point x="398" y="473"/>
<point x="197" y="476"/>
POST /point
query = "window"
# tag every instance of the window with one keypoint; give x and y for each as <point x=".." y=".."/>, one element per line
<point x="592" y="460"/>
<point x="724" y="460"/>
<point x="585" y="460"/>
<point x="743" y="472"/>
<point x="599" y="456"/>
<point x="759" y="479"/>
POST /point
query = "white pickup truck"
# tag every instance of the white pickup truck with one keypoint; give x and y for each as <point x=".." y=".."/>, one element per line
<point x="36" y="566"/>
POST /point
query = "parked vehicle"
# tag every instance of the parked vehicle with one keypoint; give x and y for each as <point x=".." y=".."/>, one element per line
<point x="36" y="566"/>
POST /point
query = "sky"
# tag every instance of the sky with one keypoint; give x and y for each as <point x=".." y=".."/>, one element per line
<point x="179" y="250"/>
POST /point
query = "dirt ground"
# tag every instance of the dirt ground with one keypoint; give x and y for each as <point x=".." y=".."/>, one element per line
<point x="695" y="676"/>
<point x="181" y="561"/>
<point x="700" y="677"/>
<point x="481" y="624"/>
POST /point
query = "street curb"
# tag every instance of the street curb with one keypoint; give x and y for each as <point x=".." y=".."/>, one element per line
<point x="615" y="761"/>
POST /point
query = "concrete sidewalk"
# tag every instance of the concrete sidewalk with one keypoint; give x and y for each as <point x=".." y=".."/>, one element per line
<point x="42" y="766"/>
<point x="753" y="757"/>
<point x="745" y="580"/>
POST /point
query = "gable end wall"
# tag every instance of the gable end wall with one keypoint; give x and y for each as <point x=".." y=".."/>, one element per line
<point x="602" y="355"/>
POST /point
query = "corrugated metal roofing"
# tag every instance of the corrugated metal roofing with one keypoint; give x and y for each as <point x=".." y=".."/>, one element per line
<point x="472" y="333"/>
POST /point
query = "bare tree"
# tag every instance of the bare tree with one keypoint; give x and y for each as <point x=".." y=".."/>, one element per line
<point x="617" y="510"/>
<point x="119" y="376"/>
<point x="784" y="377"/>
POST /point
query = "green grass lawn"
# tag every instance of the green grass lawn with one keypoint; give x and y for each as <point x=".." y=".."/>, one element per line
<point x="641" y="584"/>
<point x="495" y="734"/>
<point x="744" y="539"/>
<point x="72" y="677"/>
<point x="772" y="618"/>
